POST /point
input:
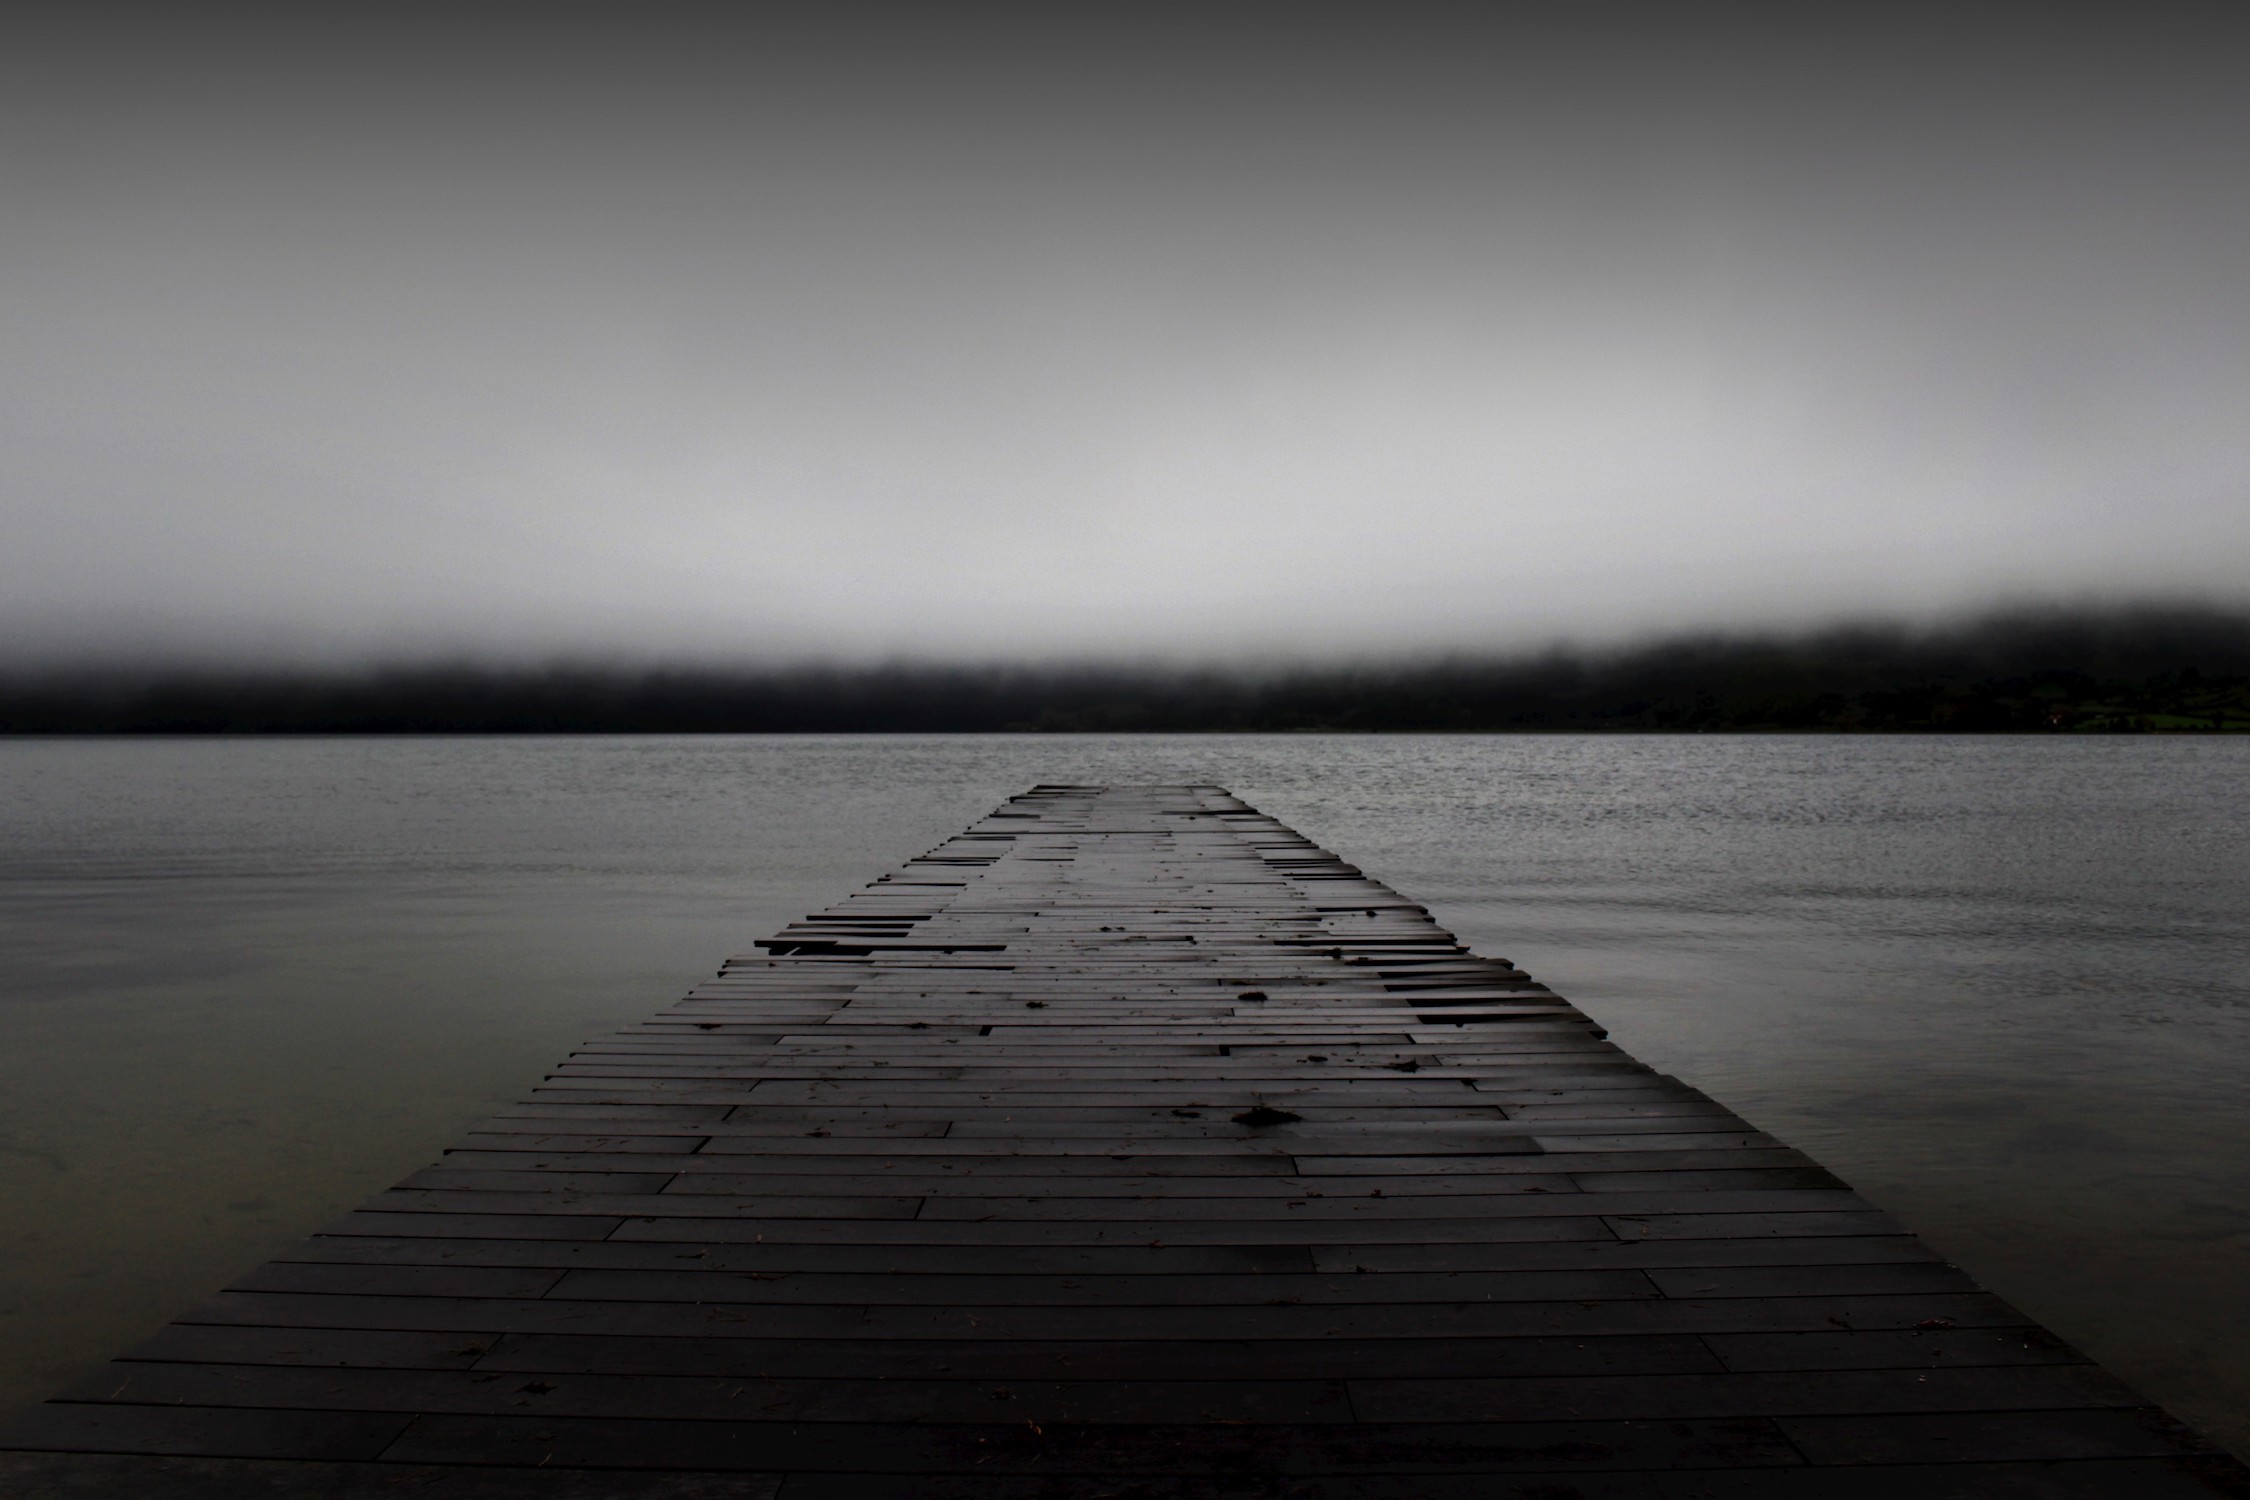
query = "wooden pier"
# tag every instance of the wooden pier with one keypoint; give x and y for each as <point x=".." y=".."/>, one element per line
<point x="1125" y="1145"/>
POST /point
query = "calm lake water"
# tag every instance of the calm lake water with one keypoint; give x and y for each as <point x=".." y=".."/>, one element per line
<point x="2001" y="985"/>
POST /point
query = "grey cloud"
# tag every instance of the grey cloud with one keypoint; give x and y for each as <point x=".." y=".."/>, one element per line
<point x="955" y="330"/>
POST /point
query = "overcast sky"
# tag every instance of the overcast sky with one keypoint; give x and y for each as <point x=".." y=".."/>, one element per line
<point x="643" y="330"/>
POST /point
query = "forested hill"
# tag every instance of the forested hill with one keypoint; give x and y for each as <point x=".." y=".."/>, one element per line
<point x="2120" y="671"/>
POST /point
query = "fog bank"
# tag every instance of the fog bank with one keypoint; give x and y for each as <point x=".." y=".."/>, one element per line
<point x="676" y="332"/>
<point x="2136" y="670"/>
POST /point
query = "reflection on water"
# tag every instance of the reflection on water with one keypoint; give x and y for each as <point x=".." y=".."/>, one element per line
<point x="1999" y="984"/>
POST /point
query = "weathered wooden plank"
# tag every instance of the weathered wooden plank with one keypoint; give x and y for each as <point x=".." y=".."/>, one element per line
<point x="1130" y="1143"/>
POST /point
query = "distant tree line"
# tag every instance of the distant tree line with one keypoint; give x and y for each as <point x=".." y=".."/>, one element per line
<point x="2115" y="671"/>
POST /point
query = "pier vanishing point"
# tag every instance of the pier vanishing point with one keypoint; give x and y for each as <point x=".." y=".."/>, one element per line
<point x="1125" y="1145"/>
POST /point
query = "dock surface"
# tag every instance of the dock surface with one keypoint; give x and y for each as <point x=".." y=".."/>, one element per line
<point x="1125" y="1145"/>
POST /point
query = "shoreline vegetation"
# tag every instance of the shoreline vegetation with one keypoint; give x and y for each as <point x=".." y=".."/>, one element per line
<point x="2139" y="670"/>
